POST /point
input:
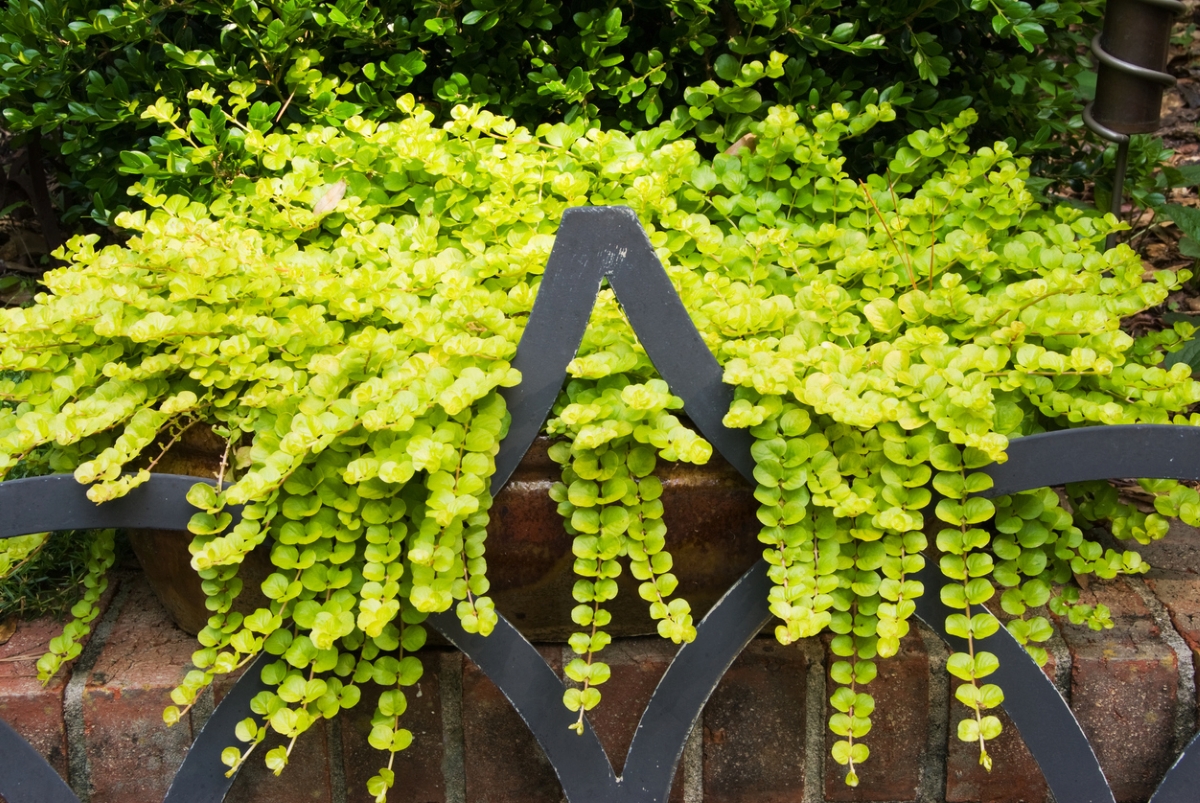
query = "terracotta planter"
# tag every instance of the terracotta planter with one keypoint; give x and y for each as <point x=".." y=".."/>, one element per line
<point x="711" y="532"/>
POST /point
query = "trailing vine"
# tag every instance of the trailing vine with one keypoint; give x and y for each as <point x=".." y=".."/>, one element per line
<point x="610" y="503"/>
<point x="344" y="318"/>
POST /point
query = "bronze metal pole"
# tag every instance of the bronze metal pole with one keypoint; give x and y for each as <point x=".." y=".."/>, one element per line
<point x="1132" y="52"/>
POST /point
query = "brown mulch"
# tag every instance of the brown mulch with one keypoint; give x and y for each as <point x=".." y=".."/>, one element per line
<point x="1157" y="240"/>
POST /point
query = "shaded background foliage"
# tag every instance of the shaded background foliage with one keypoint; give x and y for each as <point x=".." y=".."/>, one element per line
<point x="83" y="72"/>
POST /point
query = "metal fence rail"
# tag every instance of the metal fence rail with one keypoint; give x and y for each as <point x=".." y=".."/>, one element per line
<point x="594" y="244"/>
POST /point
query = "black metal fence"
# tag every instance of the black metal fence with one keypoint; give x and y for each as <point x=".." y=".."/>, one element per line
<point x="594" y="244"/>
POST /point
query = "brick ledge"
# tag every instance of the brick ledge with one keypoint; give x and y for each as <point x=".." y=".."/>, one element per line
<point x="762" y="736"/>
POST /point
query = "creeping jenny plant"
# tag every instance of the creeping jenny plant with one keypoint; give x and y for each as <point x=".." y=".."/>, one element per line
<point x="344" y="311"/>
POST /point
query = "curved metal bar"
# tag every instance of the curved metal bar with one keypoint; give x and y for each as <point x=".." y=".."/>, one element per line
<point x="608" y="242"/>
<point x="689" y="681"/>
<point x="535" y="691"/>
<point x="1102" y="130"/>
<point x="556" y="325"/>
<point x="58" y="502"/>
<point x="37" y="782"/>
<point x="1098" y="453"/>
<point x="1076" y="455"/>
<point x="594" y="243"/>
<point x="1040" y="713"/>
<point x="200" y="778"/>
<point x="1128" y="67"/>
<point x="1174" y="6"/>
<point x="1045" y="721"/>
<point x="672" y="341"/>
<point x="1181" y="782"/>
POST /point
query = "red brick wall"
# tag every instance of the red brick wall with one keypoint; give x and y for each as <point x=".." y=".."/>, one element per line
<point x="761" y="738"/>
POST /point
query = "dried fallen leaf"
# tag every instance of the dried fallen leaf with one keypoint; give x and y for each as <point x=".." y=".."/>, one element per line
<point x="331" y="197"/>
<point x="746" y="141"/>
<point x="1156" y="252"/>
<point x="23" y="244"/>
<point x="7" y="628"/>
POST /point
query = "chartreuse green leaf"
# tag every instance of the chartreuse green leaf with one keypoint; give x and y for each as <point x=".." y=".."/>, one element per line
<point x="344" y="322"/>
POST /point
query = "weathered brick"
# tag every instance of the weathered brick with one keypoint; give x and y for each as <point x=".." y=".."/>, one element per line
<point x="132" y="756"/>
<point x="710" y="516"/>
<point x="1175" y="580"/>
<point x="33" y="710"/>
<point x="754" y="728"/>
<point x="304" y="780"/>
<point x="1123" y="691"/>
<point x="637" y="665"/>
<point x="1015" y="776"/>
<point x="898" y="729"/>
<point x="418" y="769"/>
<point x="503" y="762"/>
<point x="306" y="777"/>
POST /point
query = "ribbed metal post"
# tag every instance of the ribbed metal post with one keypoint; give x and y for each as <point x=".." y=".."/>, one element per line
<point x="1132" y="53"/>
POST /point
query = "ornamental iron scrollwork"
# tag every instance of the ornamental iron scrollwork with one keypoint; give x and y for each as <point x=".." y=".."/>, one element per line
<point x="595" y="244"/>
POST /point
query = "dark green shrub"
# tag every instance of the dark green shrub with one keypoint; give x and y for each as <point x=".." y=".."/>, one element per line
<point x="85" y="71"/>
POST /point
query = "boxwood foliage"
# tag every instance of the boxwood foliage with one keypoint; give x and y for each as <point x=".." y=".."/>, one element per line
<point x="86" y="71"/>
<point x="345" y="318"/>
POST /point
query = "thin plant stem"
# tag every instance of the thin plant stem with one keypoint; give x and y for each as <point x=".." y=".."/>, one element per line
<point x="867" y="192"/>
